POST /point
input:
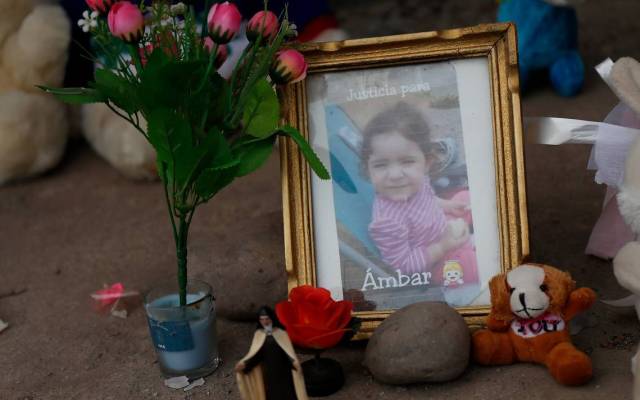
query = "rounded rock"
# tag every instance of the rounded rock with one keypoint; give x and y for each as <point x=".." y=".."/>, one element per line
<point x="423" y="342"/>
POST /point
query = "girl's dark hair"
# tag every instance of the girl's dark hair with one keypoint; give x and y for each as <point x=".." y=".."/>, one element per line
<point x="401" y="118"/>
<point x="268" y="311"/>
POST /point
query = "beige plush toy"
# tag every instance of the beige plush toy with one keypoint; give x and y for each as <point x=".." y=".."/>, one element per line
<point x="625" y="81"/>
<point x="34" y="42"/>
<point x="118" y="142"/>
<point x="626" y="264"/>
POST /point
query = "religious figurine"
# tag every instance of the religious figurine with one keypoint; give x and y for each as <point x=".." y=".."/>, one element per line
<point x="270" y="370"/>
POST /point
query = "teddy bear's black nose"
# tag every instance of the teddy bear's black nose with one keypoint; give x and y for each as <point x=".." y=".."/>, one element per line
<point x="521" y="297"/>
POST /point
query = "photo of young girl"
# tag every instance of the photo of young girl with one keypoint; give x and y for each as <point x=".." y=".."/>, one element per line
<point x="415" y="230"/>
<point x="403" y="225"/>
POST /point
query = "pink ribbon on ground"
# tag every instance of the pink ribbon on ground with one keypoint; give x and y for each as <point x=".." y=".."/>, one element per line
<point x="109" y="295"/>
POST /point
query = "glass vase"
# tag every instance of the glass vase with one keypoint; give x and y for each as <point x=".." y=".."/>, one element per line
<point x="184" y="337"/>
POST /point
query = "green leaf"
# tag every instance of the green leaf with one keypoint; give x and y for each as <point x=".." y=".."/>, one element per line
<point x="166" y="83"/>
<point x="191" y="159"/>
<point x="253" y="154"/>
<point x="214" y="100"/>
<point x="171" y="137"/>
<point x="220" y="94"/>
<point x="178" y="85"/>
<point x="75" y="95"/>
<point x="158" y="133"/>
<point x="306" y="150"/>
<point x="185" y="156"/>
<point x="118" y="90"/>
<point x="221" y="167"/>
<point x="262" y="110"/>
<point x="160" y="167"/>
<point x="213" y="153"/>
<point x="211" y="181"/>
<point x="220" y="154"/>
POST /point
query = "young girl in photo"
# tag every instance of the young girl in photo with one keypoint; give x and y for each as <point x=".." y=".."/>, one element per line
<point x="413" y="228"/>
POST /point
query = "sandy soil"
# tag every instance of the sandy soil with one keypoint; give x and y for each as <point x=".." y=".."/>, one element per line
<point x="64" y="234"/>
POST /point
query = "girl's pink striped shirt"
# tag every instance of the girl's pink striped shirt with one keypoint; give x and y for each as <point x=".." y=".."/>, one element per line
<point x="402" y="230"/>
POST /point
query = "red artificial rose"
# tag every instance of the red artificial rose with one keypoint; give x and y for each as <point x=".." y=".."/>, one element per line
<point x="313" y="319"/>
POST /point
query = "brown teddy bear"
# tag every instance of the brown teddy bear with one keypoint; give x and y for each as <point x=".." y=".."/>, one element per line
<point x="531" y="307"/>
<point x="34" y="42"/>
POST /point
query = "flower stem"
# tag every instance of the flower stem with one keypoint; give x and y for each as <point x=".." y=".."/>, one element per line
<point x="212" y="59"/>
<point x="262" y="70"/>
<point x="126" y="118"/>
<point x="205" y="25"/>
<point x="181" y="250"/>
<point x="169" y="204"/>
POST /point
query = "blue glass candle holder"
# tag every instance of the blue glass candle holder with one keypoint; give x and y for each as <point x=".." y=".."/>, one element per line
<point x="184" y="337"/>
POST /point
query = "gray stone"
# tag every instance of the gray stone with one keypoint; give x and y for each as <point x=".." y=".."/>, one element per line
<point x="423" y="342"/>
<point x="245" y="274"/>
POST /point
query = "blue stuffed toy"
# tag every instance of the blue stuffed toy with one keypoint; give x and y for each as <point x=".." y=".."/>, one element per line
<point x="547" y="40"/>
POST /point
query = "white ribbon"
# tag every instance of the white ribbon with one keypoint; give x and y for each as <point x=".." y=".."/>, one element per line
<point x="604" y="70"/>
<point x="555" y="131"/>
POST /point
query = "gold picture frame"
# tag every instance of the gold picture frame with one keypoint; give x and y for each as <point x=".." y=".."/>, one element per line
<point x="494" y="44"/>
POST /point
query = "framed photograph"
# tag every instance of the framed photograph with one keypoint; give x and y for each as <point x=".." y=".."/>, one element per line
<point x="422" y="134"/>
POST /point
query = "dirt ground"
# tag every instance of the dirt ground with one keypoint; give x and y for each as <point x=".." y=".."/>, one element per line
<point x="64" y="234"/>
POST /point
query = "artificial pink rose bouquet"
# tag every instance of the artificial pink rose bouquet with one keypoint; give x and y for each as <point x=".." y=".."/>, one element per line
<point x="206" y="130"/>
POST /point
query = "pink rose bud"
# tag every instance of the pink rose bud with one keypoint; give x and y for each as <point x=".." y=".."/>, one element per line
<point x="223" y="22"/>
<point x="288" y="67"/>
<point x="126" y="21"/>
<point x="221" y="53"/>
<point x="264" y="24"/>
<point x="99" y="5"/>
